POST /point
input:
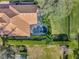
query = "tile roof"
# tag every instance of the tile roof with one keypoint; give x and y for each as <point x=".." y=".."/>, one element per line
<point x="13" y="30"/>
<point x="25" y="8"/>
<point x="30" y="18"/>
<point x="8" y="12"/>
<point x="4" y="18"/>
<point x="2" y="21"/>
<point x="20" y="24"/>
<point x="19" y="19"/>
<point x="1" y="18"/>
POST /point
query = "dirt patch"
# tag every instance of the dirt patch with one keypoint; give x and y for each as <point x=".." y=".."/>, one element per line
<point x="44" y="52"/>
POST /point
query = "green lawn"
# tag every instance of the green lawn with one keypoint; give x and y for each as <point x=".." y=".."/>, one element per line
<point x="71" y="54"/>
<point x="59" y="26"/>
<point x="73" y="44"/>
<point x="75" y="18"/>
<point x="1" y="41"/>
<point x="25" y="42"/>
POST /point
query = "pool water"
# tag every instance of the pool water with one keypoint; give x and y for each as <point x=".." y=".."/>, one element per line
<point x="39" y="30"/>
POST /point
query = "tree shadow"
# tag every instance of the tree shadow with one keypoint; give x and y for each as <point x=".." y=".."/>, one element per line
<point x="60" y="37"/>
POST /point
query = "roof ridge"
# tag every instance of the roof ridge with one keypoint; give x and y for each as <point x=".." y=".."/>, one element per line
<point x="13" y="9"/>
<point x="21" y="20"/>
<point x="4" y="16"/>
<point x="8" y="12"/>
<point x="7" y="17"/>
<point x="25" y="8"/>
<point x="17" y="28"/>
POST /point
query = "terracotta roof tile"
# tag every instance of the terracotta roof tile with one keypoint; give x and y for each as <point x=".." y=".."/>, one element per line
<point x="19" y="32"/>
<point x="19" y="18"/>
<point x="8" y="12"/>
<point x="25" y="8"/>
<point x="20" y="23"/>
<point x="13" y="30"/>
<point x="2" y="21"/>
<point x="4" y="18"/>
<point x="30" y="18"/>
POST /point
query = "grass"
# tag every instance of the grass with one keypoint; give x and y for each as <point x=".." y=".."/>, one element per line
<point x="50" y="51"/>
<point x="71" y="55"/>
<point x="75" y="17"/>
<point x="25" y="42"/>
<point x="73" y="44"/>
<point x="1" y="41"/>
<point x="44" y="52"/>
<point x="59" y="26"/>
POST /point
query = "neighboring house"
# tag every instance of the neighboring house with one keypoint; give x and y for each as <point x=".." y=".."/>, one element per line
<point x="17" y="19"/>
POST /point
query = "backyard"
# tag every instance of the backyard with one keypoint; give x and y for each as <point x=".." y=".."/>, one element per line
<point x="75" y="18"/>
<point x="44" y="52"/>
<point x="60" y="23"/>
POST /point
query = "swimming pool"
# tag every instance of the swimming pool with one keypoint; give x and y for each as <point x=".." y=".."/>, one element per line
<point x="39" y="29"/>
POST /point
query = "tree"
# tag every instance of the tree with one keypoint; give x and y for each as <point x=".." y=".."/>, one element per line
<point x="57" y="8"/>
<point x="49" y="39"/>
<point x="5" y="34"/>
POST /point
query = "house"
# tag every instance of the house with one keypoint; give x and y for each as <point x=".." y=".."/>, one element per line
<point x="16" y="20"/>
